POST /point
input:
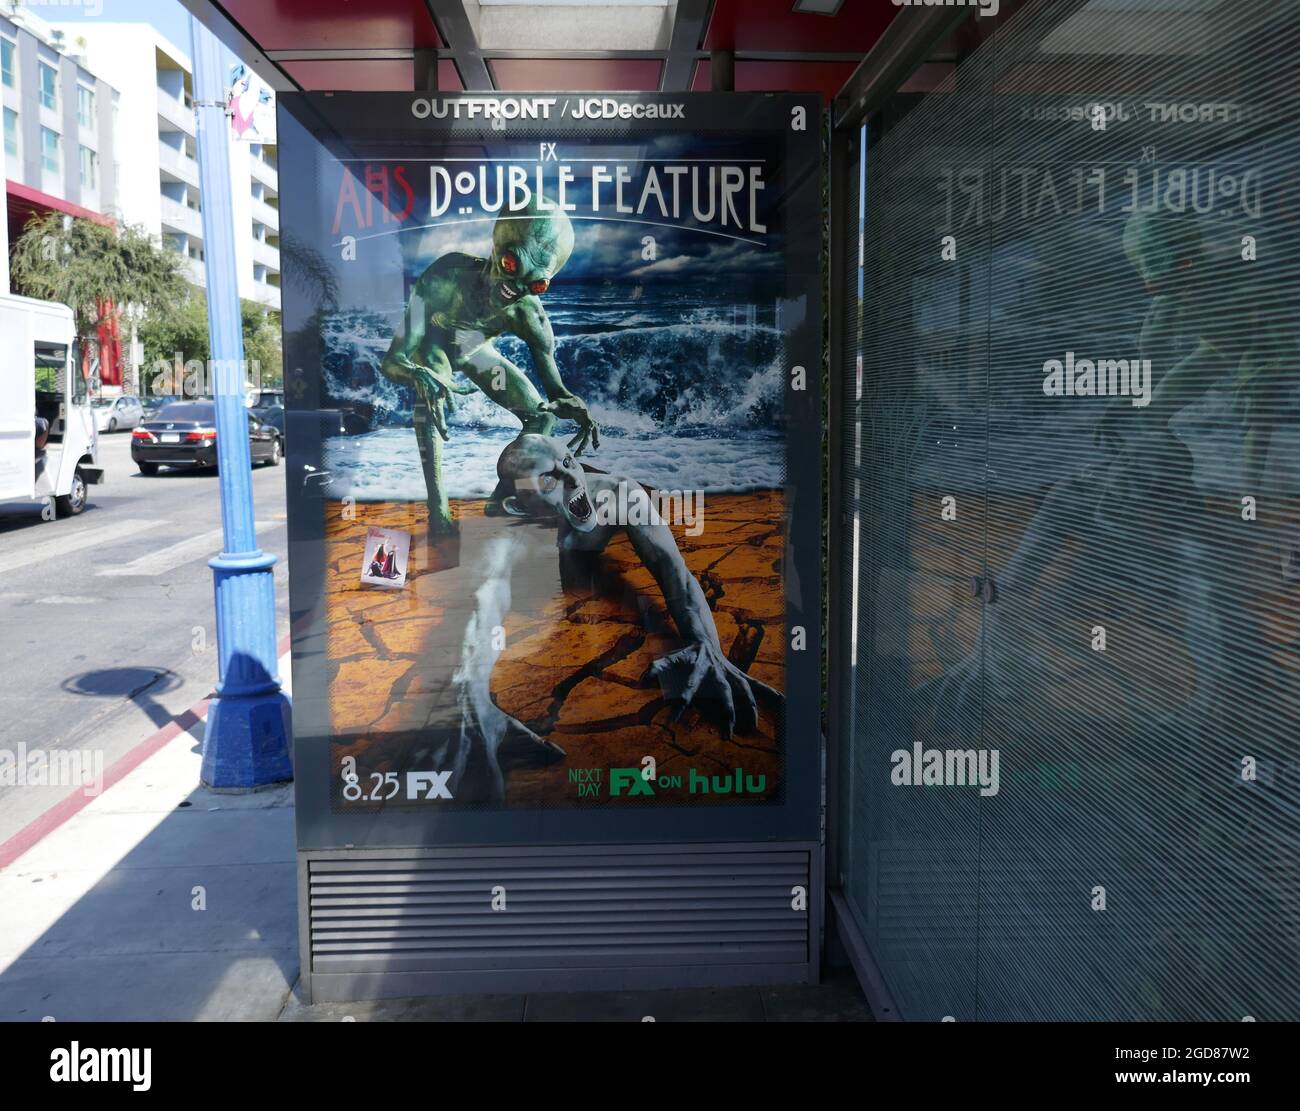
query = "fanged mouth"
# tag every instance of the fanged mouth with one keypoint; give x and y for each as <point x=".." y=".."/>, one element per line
<point x="579" y="506"/>
<point x="507" y="293"/>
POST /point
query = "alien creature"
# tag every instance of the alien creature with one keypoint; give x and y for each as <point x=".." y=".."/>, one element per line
<point x="1137" y="504"/>
<point x="458" y="305"/>
<point x="1207" y="323"/>
<point x="549" y="482"/>
<point x="464" y="730"/>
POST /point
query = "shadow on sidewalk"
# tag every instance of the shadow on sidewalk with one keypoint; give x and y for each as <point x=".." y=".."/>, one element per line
<point x="130" y="912"/>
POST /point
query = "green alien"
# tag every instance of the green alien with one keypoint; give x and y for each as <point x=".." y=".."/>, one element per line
<point x="1208" y="322"/>
<point x="457" y="307"/>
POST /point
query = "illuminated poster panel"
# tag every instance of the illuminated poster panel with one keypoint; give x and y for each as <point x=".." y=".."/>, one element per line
<point x="553" y="372"/>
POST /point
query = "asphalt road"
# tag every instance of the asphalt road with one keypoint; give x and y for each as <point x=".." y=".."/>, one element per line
<point x="106" y="619"/>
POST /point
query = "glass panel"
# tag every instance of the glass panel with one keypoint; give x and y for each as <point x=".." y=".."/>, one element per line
<point x="86" y="107"/>
<point x="1122" y="199"/>
<point x="49" y="87"/>
<point x="915" y="488"/>
<point x="1143" y="639"/>
<point x="49" y="150"/>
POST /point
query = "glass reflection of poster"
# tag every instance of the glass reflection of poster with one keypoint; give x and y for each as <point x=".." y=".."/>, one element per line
<point x="567" y="358"/>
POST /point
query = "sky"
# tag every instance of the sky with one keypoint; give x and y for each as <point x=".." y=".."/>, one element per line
<point x="167" y="15"/>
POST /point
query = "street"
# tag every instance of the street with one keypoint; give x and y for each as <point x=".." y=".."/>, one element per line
<point x="108" y="617"/>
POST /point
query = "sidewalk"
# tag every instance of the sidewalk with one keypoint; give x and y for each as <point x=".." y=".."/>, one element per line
<point x="159" y="900"/>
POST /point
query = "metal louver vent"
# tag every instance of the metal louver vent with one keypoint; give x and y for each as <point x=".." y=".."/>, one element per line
<point x="406" y="922"/>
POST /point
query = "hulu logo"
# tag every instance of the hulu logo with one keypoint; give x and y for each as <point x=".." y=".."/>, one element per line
<point x="734" y="784"/>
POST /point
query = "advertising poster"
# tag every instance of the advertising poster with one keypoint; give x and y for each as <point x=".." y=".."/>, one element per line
<point x="556" y="359"/>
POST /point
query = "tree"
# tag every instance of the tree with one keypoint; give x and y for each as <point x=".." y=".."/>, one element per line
<point x="95" y="269"/>
<point x="180" y="336"/>
<point x="173" y="336"/>
<point x="262" y="344"/>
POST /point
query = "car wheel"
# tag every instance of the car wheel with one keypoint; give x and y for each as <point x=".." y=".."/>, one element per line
<point x="112" y="424"/>
<point x="74" y="501"/>
<point x="148" y="468"/>
<point x="274" y="460"/>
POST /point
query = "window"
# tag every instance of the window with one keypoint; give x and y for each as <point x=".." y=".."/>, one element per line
<point x="11" y="132"/>
<point x="49" y="87"/>
<point x="7" y="74"/>
<point x="86" y="107"/>
<point x="50" y="159"/>
<point x="89" y="173"/>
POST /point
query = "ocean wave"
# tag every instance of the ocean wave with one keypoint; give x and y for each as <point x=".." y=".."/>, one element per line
<point x="699" y="371"/>
<point x="385" y="465"/>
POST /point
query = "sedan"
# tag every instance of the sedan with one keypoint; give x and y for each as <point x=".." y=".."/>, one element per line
<point x="112" y="413"/>
<point x="184" y="434"/>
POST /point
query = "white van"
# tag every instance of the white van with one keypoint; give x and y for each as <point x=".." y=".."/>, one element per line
<point x="48" y="439"/>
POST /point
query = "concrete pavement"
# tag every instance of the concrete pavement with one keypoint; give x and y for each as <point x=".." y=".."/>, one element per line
<point x="108" y="617"/>
<point x="158" y="900"/>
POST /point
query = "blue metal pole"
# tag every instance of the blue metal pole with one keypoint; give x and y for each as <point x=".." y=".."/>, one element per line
<point x="246" y="741"/>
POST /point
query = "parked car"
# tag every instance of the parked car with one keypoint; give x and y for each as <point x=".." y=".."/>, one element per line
<point x="262" y="399"/>
<point x="270" y="414"/>
<point x="113" y="413"/>
<point x="329" y="422"/>
<point x="184" y="434"/>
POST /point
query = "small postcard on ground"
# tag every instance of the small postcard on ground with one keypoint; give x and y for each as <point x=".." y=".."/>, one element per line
<point x="386" y="557"/>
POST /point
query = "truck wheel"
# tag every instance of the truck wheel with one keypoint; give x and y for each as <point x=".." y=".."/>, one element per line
<point x="74" y="501"/>
<point x="147" y="468"/>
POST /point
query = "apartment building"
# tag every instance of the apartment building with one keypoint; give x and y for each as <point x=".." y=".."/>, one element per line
<point x="159" y="168"/>
<point x="59" y="152"/>
<point x="60" y="130"/>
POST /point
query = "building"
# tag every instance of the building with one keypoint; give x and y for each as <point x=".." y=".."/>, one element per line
<point x="159" y="169"/>
<point x="58" y="119"/>
<point x="59" y="131"/>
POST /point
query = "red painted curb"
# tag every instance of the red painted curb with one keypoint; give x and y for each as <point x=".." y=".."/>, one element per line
<point x="40" y="828"/>
<point x="60" y="812"/>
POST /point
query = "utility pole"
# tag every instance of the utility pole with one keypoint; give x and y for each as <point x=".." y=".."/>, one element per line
<point x="246" y="741"/>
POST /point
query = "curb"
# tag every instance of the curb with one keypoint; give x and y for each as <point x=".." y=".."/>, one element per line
<point x="41" y="827"/>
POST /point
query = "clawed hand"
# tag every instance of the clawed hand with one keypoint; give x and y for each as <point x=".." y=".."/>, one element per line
<point x="437" y="390"/>
<point x="702" y="669"/>
<point x="569" y="407"/>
